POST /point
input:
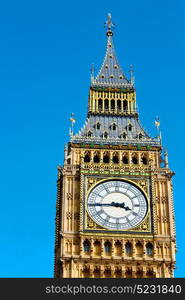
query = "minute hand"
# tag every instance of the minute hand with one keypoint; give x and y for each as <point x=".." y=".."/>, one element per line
<point x="101" y="204"/>
<point x="115" y="204"/>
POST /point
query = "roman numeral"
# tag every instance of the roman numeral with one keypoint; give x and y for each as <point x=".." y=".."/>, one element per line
<point x="97" y="194"/>
<point x="135" y="214"/>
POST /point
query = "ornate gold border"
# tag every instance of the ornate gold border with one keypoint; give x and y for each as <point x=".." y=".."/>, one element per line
<point x="146" y="222"/>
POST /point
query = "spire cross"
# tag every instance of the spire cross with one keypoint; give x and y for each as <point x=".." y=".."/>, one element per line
<point x="109" y="25"/>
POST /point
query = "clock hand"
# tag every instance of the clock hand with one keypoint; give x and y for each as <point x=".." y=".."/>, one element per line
<point x="121" y="205"/>
<point x="101" y="204"/>
<point x="115" y="204"/>
<point x="104" y="204"/>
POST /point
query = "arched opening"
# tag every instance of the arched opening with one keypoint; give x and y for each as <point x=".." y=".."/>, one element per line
<point x="96" y="158"/>
<point x="140" y="136"/>
<point x="128" y="249"/>
<point x="107" y="248"/>
<point x="130" y="127"/>
<point x="106" y="104"/>
<point x="87" y="157"/>
<point x="118" y="248"/>
<point x="139" y="274"/>
<point x="86" y="246"/>
<point x="107" y="273"/>
<point x="106" y="158"/>
<point x="105" y="135"/>
<point x="144" y="160"/>
<point x="68" y="161"/>
<point x="119" y="105"/>
<point x="112" y="104"/>
<point x="134" y="159"/>
<point x="113" y="126"/>
<point x="118" y="273"/>
<point x="150" y="274"/>
<point x="98" y="126"/>
<point x="128" y="273"/>
<point x="124" y="135"/>
<point x="97" y="248"/>
<point x="149" y="249"/>
<point x="97" y="273"/>
<point x="99" y="104"/>
<point x="115" y="158"/>
<point x="139" y="249"/>
<point x="125" y="105"/>
<point x="125" y="159"/>
<point x="86" y="272"/>
<point x="89" y="134"/>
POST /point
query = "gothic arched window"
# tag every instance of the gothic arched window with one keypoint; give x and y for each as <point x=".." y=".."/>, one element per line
<point x="134" y="159"/>
<point x="144" y="160"/>
<point x="99" y="104"/>
<point x="98" y="126"/>
<point x="115" y="158"/>
<point x="119" y="105"/>
<point x="96" y="158"/>
<point x="125" y="105"/>
<point x="125" y="159"/>
<point x="112" y="104"/>
<point x="128" y="248"/>
<point x="124" y="135"/>
<point x="87" y="157"/>
<point x="140" y="136"/>
<point x="86" y="245"/>
<point x="106" y="104"/>
<point x="106" y="158"/>
<point x="149" y="249"/>
<point x="113" y="126"/>
<point x="105" y="135"/>
<point x="107" y="247"/>
<point x="89" y="134"/>
<point x="130" y="127"/>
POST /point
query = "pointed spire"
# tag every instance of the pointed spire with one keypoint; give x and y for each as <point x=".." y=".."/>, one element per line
<point x="110" y="74"/>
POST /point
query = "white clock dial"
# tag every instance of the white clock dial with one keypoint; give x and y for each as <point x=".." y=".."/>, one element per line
<point x="117" y="205"/>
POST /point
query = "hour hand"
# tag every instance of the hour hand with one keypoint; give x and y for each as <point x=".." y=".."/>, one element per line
<point x="121" y="205"/>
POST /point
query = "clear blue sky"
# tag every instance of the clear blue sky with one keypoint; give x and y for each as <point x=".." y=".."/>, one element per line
<point x="46" y="52"/>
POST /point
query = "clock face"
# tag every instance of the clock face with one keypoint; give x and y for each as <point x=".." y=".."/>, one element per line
<point x="117" y="205"/>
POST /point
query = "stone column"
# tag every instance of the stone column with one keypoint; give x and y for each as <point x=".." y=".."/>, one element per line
<point x="81" y="247"/>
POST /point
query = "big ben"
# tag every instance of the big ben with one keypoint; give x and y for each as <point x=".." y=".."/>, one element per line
<point x="114" y="212"/>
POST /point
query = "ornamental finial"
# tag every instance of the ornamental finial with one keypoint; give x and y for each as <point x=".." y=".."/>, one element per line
<point x="72" y="120"/>
<point x="109" y="25"/>
<point x="157" y="124"/>
<point x="131" y="74"/>
<point x="92" y="72"/>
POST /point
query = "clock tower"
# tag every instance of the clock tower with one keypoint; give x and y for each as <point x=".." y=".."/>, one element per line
<point x="114" y="212"/>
